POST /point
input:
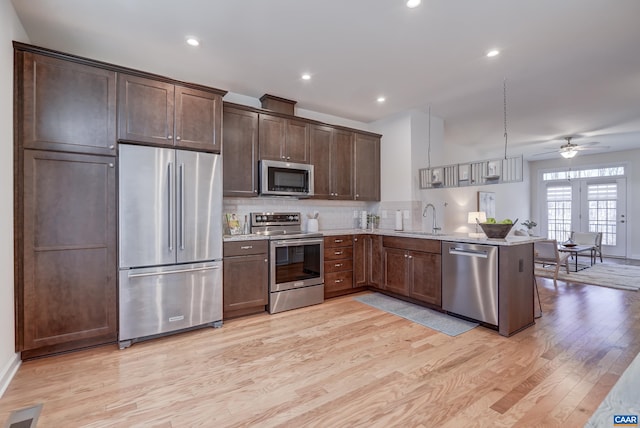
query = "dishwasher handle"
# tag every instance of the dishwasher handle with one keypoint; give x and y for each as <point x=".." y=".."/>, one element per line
<point x="468" y="253"/>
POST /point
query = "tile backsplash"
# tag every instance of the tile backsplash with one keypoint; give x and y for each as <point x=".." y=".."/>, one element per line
<point x="331" y="214"/>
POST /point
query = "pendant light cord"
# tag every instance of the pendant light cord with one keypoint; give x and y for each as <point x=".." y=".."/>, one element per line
<point x="429" y="145"/>
<point x="504" y="87"/>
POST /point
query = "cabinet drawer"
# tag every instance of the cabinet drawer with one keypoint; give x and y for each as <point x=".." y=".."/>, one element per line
<point x="338" y="265"/>
<point x="338" y="281"/>
<point x="414" y="244"/>
<point x="338" y="241"/>
<point x="244" y="248"/>
<point x="338" y="253"/>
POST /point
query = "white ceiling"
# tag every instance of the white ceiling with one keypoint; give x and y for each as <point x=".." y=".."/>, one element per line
<point x="572" y="66"/>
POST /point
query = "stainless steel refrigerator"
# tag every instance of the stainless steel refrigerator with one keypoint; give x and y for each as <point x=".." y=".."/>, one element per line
<point x="170" y="241"/>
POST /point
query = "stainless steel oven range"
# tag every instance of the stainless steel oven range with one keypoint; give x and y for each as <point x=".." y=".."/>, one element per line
<point x="296" y="261"/>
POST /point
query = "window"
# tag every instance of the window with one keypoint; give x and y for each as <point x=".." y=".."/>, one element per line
<point x="602" y="200"/>
<point x="559" y="212"/>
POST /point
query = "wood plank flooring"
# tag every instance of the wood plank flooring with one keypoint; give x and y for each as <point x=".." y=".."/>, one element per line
<point x="344" y="363"/>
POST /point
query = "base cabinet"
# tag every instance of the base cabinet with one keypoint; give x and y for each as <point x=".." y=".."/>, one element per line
<point x="246" y="278"/>
<point x="412" y="268"/>
<point x="338" y="265"/>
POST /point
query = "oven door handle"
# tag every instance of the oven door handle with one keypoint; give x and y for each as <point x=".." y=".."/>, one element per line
<point x="297" y="242"/>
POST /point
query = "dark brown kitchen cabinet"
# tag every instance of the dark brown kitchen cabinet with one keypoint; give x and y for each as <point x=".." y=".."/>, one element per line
<point x="412" y="268"/>
<point x="65" y="106"/>
<point x="246" y="278"/>
<point x="284" y="139"/>
<point x="332" y="159"/>
<point x="338" y="265"/>
<point x="367" y="261"/>
<point x="240" y="152"/>
<point x="366" y="167"/>
<point x="66" y="282"/>
<point x="160" y="113"/>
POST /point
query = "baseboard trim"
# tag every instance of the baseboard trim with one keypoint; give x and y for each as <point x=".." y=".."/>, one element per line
<point x="9" y="371"/>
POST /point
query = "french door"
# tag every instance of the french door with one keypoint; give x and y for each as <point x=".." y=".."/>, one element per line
<point x="588" y="205"/>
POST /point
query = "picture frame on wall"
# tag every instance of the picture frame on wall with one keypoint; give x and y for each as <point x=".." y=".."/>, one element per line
<point x="487" y="203"/>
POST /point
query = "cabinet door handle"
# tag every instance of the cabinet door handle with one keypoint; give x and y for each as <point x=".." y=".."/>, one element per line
<point x="405" y="256"/>
<point x="169" y="137"/>
<point x="111" y="166"/>
<point x="178" y="138"/>
<point x="112" y="147"/>
<point x="288" y="157"/>
<point x="266" y="260"/>
<point x="410" y="257"/>
<point x="357" y="196"/>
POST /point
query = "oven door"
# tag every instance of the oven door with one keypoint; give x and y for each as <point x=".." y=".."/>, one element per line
<point x="296" y="263"/>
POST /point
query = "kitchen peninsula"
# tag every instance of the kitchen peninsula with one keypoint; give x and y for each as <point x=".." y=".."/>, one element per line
<point x="409" y="265"/>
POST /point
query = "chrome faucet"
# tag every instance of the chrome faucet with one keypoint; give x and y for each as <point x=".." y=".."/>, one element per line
<point x="434" y="228"/>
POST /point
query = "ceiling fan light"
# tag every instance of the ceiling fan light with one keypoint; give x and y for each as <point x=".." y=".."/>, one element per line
<point x="568" y="154"/>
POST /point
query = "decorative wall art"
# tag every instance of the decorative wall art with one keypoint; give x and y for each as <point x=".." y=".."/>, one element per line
<point x="464" y="172"/>
<point x="487" y="203"/>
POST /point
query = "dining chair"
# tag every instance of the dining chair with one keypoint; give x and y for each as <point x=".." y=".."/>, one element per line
<point x="589" y="238"/>
<point x="546" y="252"/>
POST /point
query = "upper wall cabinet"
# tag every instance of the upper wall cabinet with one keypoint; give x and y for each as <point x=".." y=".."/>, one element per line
<point x="332" y="159"/>
<point x="367" y="167"/>
<point x="284" y="139"/>
<point x="163" y="114"/>
<point x="66" y="106"/>
<point x="240" y="153"/>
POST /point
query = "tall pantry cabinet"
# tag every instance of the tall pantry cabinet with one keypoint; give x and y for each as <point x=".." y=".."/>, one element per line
<point x="65" y="203"/>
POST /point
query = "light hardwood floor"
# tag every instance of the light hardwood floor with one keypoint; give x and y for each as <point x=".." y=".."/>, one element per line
<point x="344" y="363"/>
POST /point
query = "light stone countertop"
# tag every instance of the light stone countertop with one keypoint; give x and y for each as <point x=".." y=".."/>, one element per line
<point x="454" y="237"/>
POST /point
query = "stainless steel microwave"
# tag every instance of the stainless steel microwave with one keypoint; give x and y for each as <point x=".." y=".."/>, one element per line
<point x="286" y="179"/>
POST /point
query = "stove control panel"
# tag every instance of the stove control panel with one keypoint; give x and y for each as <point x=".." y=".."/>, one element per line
<point x="275" y="219"/>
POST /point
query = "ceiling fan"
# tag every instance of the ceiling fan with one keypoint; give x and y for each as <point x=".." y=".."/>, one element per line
<point x="570" y="150"/>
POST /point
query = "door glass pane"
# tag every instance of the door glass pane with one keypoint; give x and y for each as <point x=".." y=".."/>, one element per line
<point x="602" y="200"/>
<point x="558" y="212"/>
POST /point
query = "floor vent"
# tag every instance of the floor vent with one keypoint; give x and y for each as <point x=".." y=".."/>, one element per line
<point x="24" y="418"/>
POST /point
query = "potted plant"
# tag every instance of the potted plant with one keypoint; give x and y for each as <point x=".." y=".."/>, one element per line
<point x="529" y="224"/>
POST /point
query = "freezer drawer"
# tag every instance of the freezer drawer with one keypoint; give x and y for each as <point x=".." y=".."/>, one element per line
<point x="160" y="300"/>
<point x="470" y="281"/>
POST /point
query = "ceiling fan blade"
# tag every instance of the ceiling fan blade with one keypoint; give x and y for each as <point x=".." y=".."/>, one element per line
<point x="591" y="148"/>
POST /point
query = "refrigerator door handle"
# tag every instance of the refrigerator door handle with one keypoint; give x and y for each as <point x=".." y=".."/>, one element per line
<point x="169" y="175"/>
<point x="182" y="206"/>
<point x="199" y="269"/>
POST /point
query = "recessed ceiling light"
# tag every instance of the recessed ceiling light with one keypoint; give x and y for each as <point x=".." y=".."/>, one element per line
<point x="192" y="41"/>
<point x="493" y="52"/>
<point x="413" y="3"/>
<point x="306" y="76"/>
<point x="381" y="99"/>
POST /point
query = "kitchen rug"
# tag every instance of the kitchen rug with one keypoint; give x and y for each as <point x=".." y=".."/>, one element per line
<point x="612" y="275"/>
<point x="435" y="320"/>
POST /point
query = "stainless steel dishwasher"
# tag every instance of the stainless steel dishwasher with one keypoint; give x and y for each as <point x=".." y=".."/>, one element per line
<point x="470" y="281"/>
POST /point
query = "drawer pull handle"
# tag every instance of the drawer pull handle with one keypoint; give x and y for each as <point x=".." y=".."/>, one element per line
<point x="337" y="253"/>
<point x="338" y="281"/>
<point x="337" y="241"/>
<point x="246" y="247"/>
<point x="338" y="265"/>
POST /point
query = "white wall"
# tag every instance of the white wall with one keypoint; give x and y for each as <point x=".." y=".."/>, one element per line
<point x="10" y="29"/>
<point x="630" y="158"/>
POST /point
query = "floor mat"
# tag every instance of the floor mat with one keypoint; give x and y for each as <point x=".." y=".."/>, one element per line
<point x="435" y="320"/>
